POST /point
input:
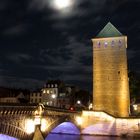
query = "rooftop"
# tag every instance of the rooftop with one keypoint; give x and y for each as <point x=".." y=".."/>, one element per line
<point x="109" y="31"/>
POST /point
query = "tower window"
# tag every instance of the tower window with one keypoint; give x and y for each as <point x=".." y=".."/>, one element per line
<point x="105" y="44"/>
<point x="113" y="43"/>
<point x="99" y="44"/>
<point x="120" y="43"/>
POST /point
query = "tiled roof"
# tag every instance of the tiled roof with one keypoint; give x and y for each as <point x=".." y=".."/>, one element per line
<point x="109" y="31"/>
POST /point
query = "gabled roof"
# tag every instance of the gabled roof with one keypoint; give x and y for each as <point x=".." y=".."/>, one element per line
<point x="109" y="31"/>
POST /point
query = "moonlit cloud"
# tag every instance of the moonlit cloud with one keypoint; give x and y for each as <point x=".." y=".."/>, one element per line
<point x="62" y="4"/>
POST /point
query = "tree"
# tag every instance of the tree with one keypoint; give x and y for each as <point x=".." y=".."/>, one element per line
<point x="134" y="87"/>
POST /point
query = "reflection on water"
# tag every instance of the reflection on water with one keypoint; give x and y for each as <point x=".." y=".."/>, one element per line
<point x="5" y="137"/>
<point x="62" y="137"/>
<point x="77" y="137"/>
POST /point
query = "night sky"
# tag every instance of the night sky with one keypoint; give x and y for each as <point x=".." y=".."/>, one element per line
<point x="40" y="42"/>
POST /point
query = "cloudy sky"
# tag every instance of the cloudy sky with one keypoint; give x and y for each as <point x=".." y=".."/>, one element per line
<point x="42" y="40"/>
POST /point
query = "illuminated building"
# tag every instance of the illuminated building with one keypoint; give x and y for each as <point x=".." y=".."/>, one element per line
<point x="110" y="78"/>
<point x="56" y="94"/>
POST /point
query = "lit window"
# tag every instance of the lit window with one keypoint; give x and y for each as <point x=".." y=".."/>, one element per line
<point x="55" y="85"/>
<point x="120" y="43"/>
<point x="105" y="44"/>
<point x="48" y="91"/>
<point x="44" y="91"/>
<point x="52" y="85"/>
<point x="99" y="44"/>
<point x="113" y="43"/>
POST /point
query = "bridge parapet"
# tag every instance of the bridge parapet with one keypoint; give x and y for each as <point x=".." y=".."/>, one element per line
<point x="17" y="120"/>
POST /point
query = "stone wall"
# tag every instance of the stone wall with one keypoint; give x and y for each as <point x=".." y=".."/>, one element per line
<point x="100" y="123"/>
<point x="110" y="79"/>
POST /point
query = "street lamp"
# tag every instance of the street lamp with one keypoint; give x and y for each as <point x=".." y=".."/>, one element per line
<point x="53" y="96"/>
<point x="79" y="102"/>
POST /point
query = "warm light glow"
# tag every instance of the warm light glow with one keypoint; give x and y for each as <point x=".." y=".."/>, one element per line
<point x="53" y="96"/>
<point x="79" y="120"/>
<point x="90" y="106"/>
<point x="37" y="120"/>
<point x="79" y="102"/>
<point x="61" y="4"/>
<point x="29" y="126"/>
<point x="43" y="125"/>
<point x="44" y="91"/>
<point x="135" y="107"/>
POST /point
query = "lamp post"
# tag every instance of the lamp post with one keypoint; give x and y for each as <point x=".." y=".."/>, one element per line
<point x="53" y="96"/>
<point x="79" y="102"/>
<point x="36" y="124"/>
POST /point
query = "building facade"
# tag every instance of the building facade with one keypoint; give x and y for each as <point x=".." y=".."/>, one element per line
<point x="36" y="97"/>
<point x="11" y="95"/>
<point x="50" y="93"/>
<point x="57" y="94"/>
<point x="110" y="76"/>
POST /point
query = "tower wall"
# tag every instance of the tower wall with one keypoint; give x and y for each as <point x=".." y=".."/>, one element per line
<point x="110" y="77"/>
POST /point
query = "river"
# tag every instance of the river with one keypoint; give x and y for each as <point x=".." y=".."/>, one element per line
<point x="77" y="137"/>
<point x="72" y="137"/>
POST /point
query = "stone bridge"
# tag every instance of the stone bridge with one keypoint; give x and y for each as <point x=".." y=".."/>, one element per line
<point x="24" y="121"/>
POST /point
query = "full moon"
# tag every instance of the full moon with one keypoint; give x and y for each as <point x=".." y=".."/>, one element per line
<point x="62" y="4"/>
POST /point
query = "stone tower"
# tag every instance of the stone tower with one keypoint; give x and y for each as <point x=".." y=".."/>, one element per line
<point x="110" y="77"/>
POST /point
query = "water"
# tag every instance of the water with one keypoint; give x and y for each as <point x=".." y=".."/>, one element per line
<point x="72" y="137"/>
<point x="5" y="137"/>
<point x="77" y="137"/>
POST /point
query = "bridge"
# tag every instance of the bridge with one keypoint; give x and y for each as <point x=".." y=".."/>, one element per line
<point x="31" y="121"/>
<point x="26" y="122"/>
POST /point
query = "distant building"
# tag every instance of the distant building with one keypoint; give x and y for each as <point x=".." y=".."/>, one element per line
<point x="57" y="94"/>
<point x="36" y="97"/>
<point x="66" y="98"/>
<point x="51" y="91"/>
<point x="10" y="95"/>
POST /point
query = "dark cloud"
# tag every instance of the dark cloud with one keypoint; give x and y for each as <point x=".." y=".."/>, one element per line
<point x="38" y="42"/>
<point x="16" y="30"/>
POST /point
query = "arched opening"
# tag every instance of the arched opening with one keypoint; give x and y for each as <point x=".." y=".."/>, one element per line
<point x="6" y="137"/>
<point x="66" y="128"/>
<point x="62" y="137"/>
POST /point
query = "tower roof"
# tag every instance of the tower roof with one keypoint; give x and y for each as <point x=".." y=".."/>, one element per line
<point x="109" y="31"/>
